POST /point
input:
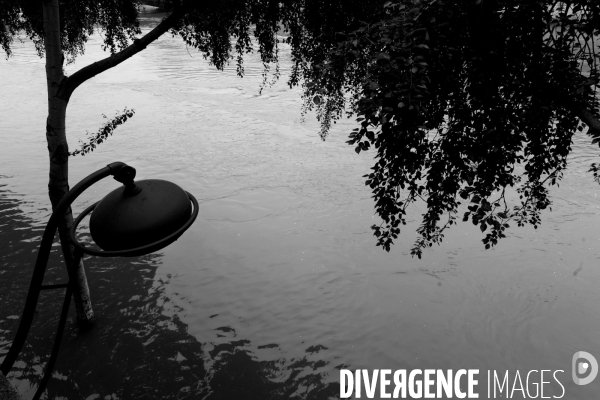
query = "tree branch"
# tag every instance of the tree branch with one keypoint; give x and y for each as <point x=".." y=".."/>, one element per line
<point x="88" y="72"/>
<point x="590" y="120"/>
<point x="581" y="111"/>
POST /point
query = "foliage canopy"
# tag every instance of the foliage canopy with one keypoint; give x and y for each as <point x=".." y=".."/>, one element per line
<point x="461" y="100"/>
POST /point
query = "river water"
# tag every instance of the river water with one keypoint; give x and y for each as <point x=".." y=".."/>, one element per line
<point x="279" y="283"/>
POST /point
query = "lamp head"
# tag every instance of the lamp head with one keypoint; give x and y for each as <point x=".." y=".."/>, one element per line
<point x="138" y="214"/>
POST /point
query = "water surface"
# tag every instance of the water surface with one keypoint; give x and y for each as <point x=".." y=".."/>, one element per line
<point x="279" y="283"/>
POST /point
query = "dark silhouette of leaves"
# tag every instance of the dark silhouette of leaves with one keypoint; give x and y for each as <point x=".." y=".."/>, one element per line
<point x="103" y="133"/>
<point x="461" y="101"/>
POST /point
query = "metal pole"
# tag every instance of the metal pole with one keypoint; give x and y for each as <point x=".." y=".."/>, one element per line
<point x="59" y="332"/>
<point x="39" y="270"/>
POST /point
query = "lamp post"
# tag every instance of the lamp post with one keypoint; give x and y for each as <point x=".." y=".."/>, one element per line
<point x="136" y="219"/>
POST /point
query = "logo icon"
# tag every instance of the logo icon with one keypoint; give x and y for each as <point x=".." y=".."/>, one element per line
<point x="580" y="367"/>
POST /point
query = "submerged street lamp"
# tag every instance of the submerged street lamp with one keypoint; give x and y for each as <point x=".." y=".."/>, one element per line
<point x="136" y="219"/>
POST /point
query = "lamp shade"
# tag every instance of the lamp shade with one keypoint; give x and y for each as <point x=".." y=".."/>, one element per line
<point x="127" y="219"/>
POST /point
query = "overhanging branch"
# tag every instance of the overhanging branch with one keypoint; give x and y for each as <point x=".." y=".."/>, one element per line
<point x="88" y="72"/>
<point x="590" y="119"/>
<point x="579" y="109"/>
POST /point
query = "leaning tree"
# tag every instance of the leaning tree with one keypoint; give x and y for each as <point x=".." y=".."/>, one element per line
<point x="59" y="30"/>
<point x="461" y="100"/>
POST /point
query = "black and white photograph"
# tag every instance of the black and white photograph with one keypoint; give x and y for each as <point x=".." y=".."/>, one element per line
<point x="299" y="199"/>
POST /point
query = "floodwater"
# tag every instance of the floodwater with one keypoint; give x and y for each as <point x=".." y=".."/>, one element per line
<point x="279" y="283"/>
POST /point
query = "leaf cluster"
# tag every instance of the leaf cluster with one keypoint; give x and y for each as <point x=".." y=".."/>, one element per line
<point x="461" y="101"/>
<point x="103" y="133"/>
<point x="116" y="19"/>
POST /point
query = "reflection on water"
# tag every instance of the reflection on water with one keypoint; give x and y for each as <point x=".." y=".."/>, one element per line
<point x="278" y="284"/>
<point x="138" y="349"/>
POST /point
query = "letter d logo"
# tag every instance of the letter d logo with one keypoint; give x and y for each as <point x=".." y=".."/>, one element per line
<point x="582" y="368"/>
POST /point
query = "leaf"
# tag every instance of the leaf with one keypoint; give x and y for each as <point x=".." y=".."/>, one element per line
<point x="103" y="133"/>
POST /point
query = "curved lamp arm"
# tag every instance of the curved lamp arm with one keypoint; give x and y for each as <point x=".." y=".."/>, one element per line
<point x="122" y="173"/>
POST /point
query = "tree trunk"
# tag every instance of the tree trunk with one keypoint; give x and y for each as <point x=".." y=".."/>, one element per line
<point x="58" y="151"/>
